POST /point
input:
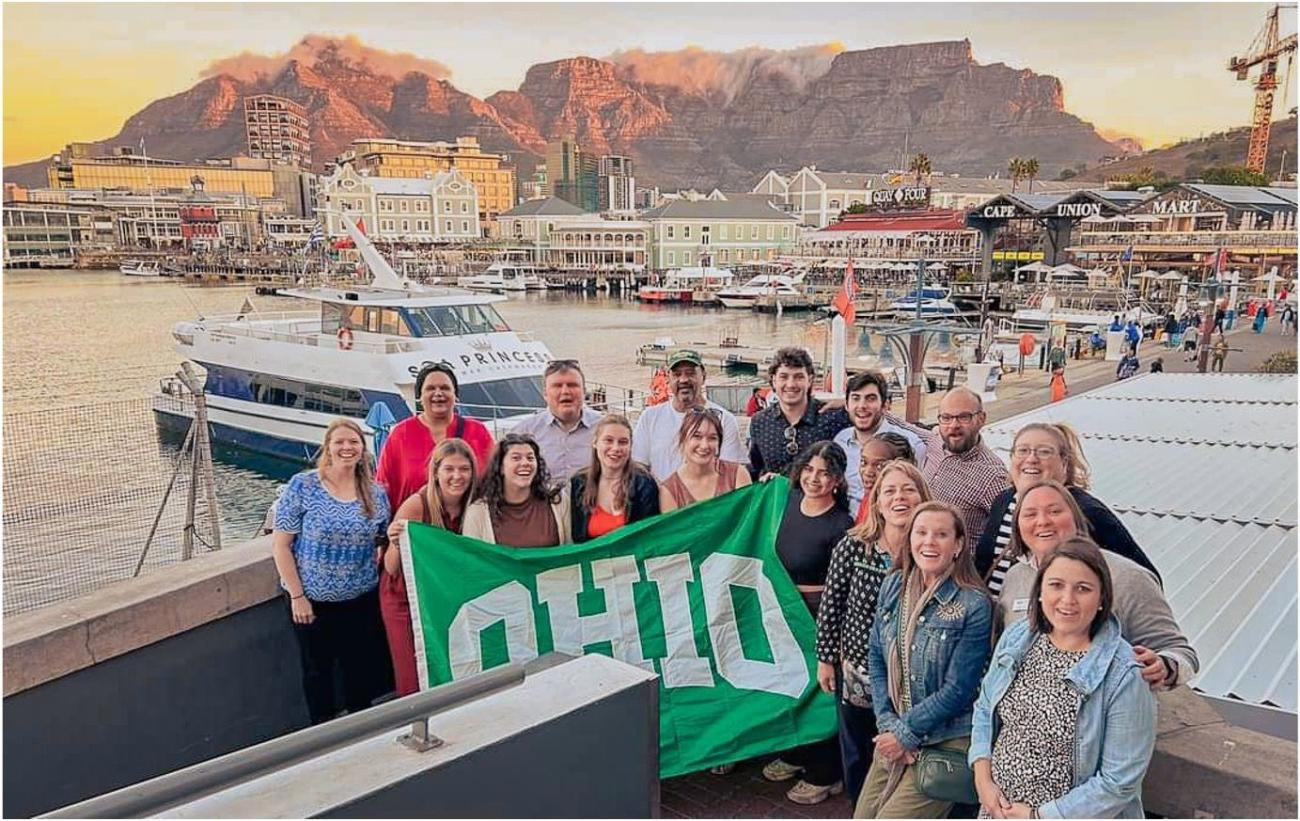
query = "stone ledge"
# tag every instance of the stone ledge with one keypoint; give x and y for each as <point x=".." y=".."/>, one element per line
<point x="1204" y="767"/>
<point x="48" y="643"/>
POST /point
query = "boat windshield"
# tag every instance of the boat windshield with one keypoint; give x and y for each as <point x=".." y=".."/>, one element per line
<point x="502" y="398"/>
<point x="456" y="320"/>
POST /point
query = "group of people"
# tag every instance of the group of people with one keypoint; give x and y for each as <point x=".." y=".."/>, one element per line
<point x="1003" y="618"/>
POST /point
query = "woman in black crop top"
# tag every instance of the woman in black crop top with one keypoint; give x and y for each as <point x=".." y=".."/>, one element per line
<point x="816" y="518"/>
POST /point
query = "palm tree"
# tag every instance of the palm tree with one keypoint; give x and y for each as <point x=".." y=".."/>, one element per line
<point x="920" y="166"/>
<point x="1030" y="171"/>
<point x="1016" y="168"/>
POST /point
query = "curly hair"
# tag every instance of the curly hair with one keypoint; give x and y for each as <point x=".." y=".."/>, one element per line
<point x="836" y="464"/>
<point x="493" y="487"/>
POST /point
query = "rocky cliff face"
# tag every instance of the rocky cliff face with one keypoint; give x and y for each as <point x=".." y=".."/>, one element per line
<point x="866" y="110"/>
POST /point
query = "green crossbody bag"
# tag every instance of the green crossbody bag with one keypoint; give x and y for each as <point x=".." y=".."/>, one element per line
<point x="944" y="775"/>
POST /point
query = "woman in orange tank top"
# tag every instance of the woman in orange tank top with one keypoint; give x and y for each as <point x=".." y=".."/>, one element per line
<point x="614" y="490"/>
<point x="702" y="474"/>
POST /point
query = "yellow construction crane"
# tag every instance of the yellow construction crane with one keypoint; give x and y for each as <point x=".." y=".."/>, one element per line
<point x="1266" y="50"/>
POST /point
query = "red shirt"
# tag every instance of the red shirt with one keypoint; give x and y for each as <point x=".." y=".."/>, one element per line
<point x="404" y="462"/>
<point x="602" y="522"/>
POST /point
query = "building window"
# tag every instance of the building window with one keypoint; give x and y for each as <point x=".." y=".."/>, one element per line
<point x="740" y="232"/>
<point x="672" y="257"/>
<point x="386" y="225"/>
<point x="724" y="231"/>
<point x="726" y="255"/>
<point x="406" y="226"/>
<point x="753" y="232"/>
<point x="785" y="232"/>
<point x="422" y="225"/>
<point x="404" y="206"/>
<point x="449" y="228"/>
<point x="464" y="226"/>
<point x="670" y="232"/>
<point x="686" y="232"/>
<point x="686" y="257"/>
<point x="446" y="207"/>
<point x="770" y="229"/>
<point x="464" y="207"/>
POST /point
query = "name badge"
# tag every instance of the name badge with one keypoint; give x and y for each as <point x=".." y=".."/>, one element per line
<point x="1020" y="606"/>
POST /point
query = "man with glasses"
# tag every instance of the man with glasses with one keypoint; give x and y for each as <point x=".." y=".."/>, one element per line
<point x="654" y="442"/>
<point x="959" y="468"/>
<point x="867" y="402"/>
<point x="780" y="431"/>
<point x="564" y="429"/>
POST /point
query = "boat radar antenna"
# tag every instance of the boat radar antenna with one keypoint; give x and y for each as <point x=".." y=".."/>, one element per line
<point x="382" y="274"/>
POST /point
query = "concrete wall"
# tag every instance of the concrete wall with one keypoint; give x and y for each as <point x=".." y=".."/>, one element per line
<point x="146" y="677"/>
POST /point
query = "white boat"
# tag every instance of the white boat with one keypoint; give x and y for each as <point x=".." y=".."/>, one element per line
<point x="510" y="273"/>
<point x="747" y="295"/>
<point x="691" y="284"/>
<point x="1078" y="319"/>
<point x="934" y="302"/>
<point x="139" y="268"/>
<point x="275" y="382"/>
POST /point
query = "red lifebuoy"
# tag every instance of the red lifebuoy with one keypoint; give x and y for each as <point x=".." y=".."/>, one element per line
<point x="345" y="338"/>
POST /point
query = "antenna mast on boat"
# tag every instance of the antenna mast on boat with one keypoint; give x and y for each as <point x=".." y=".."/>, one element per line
<point x="382" y="274"/>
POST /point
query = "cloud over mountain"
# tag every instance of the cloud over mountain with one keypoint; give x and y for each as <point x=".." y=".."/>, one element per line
<point x="704" y="72"/>
<point x="315" y="48"/>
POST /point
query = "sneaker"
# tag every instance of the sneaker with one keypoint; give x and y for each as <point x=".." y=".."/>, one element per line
<point x="722" y="769"/>
<point x="778" y="770"/>
<point x="805" y="793"/>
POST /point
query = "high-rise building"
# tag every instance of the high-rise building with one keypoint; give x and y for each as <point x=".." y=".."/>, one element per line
<point x="76" y="167"/>
<point x="493" y="179"/>
<point x="277" y="130"/>
<point x="573" y="174"/>
<point x="617" y="184"/>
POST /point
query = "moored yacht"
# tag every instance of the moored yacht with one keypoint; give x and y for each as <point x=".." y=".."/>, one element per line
<point x="510" y="273"/>
<point x="763" y="285"/>
<point x="140" y="268"/>
<point x="934" y="302"/>
<point x="692" y="284"/>
<point x="275" y="382"/>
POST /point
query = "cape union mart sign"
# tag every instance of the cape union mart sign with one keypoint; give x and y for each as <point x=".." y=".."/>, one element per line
<point x="697" y="595"/>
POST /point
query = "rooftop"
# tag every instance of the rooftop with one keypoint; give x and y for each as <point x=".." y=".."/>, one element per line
<point x="549" y="207"/>
<point x="749" y="209"/>
<point x="1202" y="470"/>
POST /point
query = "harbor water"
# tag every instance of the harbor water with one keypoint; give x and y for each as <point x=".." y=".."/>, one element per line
<point x="84" y="352"/>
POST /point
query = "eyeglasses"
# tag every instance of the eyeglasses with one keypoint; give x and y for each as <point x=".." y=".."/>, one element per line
<point x="963" y="418"/>
<point x="791" y="440"/>
<point x="1042" y="451"/>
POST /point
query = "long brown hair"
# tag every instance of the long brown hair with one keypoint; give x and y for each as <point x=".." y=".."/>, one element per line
<point x="694" y="419"/>
<point x="1081" y="549"/>
<point x="873" y="527"/>
<point x="492" y="490"/>
<point x="1016" y="547"/>
<point x="624" y="488"/>
<point x="963" y="567"/>
<point x="433" y="493"/>
<point x="1077" y="471"/>
<point x="363" y="474"/>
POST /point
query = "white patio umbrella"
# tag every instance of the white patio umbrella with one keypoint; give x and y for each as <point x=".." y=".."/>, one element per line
<point x="1148" y="274"/>
<point x="936" y="266"/>
<point x="1069" y="268"/>
<point x="1033" y="267"/>
<point x="1171" y="276"/>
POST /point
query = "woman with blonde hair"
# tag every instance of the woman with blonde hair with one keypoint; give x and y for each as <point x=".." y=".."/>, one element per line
<point x="450" y="487"/>
<point x="328" y="524"/>
<point x="1042" y="451"/>
<point x="613" y="490"/>
<point x="929" y="644"/>
<point x="859" y="565"/>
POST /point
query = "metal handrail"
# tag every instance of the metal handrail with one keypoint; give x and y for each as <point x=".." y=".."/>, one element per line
<point x="158" y="794"/>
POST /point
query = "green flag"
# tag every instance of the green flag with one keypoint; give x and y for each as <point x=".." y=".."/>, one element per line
<point x="697" y="595"/>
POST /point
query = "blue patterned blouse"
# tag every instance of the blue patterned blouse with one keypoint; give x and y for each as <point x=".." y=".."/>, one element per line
<point x="334" y="546"/>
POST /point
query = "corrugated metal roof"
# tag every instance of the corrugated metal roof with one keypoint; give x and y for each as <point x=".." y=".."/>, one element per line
<point x="1202" y="470"/>
<point x="717" y="209"/>
<point x="550" y="207"/>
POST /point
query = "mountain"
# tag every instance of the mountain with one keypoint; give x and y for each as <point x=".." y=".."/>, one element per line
<point x="1188" y="160"/>
<point x="864" y="111"/>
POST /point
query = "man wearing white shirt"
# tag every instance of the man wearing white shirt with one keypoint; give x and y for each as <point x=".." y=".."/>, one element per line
<point x="565" y="427"/>
<point x="867" y="401"/>
<point x="654" y="442"/>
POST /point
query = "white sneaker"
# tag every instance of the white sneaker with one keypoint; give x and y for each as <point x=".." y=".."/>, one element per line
<point x="805" y="793"/>
<point x="778" y="770"/>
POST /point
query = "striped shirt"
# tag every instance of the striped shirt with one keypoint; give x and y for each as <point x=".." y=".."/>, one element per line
<point x="999" y="573"/>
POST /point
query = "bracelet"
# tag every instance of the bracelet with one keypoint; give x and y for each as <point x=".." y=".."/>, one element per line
<point x="299" y="596"/>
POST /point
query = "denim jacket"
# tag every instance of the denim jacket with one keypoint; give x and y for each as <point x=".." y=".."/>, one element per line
<point x="952" y="641"/>
<point x="1116" y="731"/>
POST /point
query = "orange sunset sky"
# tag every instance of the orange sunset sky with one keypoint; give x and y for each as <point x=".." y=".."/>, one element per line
<point x="1157" y="71"/>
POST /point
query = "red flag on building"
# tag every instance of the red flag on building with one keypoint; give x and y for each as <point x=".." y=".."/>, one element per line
<point x="1220" y="262"/>
<point x="843" y="301"/>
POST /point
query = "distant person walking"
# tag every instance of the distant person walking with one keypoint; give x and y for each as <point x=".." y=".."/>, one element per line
<point x="1128" y="366"/>
<point x="1059" y="390"/>
<point x="1218" y="354"/>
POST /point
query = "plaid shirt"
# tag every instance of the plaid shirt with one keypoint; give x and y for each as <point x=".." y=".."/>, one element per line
<point x="968" y="481"/>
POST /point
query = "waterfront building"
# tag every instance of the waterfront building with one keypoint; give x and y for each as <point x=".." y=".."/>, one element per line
<point x="490" y="174"/>
<point x="437" y="208"/>
<point x="890" y="241"/>
<point x="156" y="221"/>
<point x="286" y="231"/>
<point x="45" y="234"/>
<point x="598" y="245"/>
<point x="277" y="129"/>
<point x="75" y="167"/>
<point x="528" y="226"/>
<point x="819" y="197"/>
<point x="1185" y="228"/>
<point x="573" y="174"/>
<point x="686" y="232"/>
<point x="617" y="184"/>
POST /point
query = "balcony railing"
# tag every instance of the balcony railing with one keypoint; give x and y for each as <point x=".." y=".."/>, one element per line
<point x="1205" y="240"/>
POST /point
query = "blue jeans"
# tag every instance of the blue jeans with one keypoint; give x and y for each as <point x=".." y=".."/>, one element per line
<point x="857" y="728"/>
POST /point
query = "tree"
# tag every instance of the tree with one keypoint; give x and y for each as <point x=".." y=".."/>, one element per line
<point x="855" y="208"/>
<point x="1234" y="175"/>
<point x="920" y="166"/>
<point x="1067" y="174"/>
<point x="1016" y="168"/>
<point x="1030" y="171"/>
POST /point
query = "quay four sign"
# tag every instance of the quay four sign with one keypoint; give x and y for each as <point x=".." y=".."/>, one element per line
<point x="697" y="595"/>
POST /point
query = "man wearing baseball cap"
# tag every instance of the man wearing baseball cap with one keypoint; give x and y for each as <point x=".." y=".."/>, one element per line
<point x="654" y="442"/>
